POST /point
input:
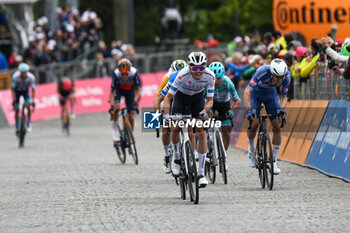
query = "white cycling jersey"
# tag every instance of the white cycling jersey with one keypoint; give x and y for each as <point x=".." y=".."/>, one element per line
<point x="20" y="84"/>
<point x="186" y="84"/>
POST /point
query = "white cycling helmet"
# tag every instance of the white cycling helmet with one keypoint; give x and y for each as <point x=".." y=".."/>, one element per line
<point x="23" y="67"/>
<point x="278" y="67"/>
<point x="197" y="59"/>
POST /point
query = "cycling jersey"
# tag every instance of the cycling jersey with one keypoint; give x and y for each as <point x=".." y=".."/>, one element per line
<point x="164" y="81"/>
<point x="125" y="88"/>
<point x="262" y="79"/>
<point x="20" y="84"/>
<point x="119" y="84"/>
<point x="65" y="87"/>
<point x="171" y="79"/>
<point x="185" y="83"/>
<point x="264" y="92"/>
<point x="226" y="89"/>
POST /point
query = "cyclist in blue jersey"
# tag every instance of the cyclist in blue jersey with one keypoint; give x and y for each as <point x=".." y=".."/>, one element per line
<point x="125" y="82"/>
<point x="176" y="66"/>
<point x="224" y="91"/>
<point x="262" y="90"/>
<point x="21" y="80"/>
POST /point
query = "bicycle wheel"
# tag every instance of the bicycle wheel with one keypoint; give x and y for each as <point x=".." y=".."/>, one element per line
<point x="221" y="156"/>
<point x="182" y="180"/>
<point x="192" y="179"/>
<point x="268" y="157"/>
<point x="131" y="144"/>
<point x="210" y="168"/>
<point x="121" y="150"/>
<point x="259" y="159"/>
<point x="22" y="129"/>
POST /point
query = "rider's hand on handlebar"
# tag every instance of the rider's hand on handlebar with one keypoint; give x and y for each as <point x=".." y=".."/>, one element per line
<point x="250" y="114"/>
<point x="282" y="113"/>
<point x="203" y="115"/>
<point x="166" y="120"/>
<point x="230" y="114"/>
<point x="33" y="105"/>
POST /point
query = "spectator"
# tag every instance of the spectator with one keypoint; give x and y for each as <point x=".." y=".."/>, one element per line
<point x="3" y="61"/>
<point x="236" y="67"/>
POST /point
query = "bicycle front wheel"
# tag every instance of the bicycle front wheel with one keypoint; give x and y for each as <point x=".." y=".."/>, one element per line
<point x="268" y="161"/>
<point x="22" y="129"/>
<point x="221" y="156"/>
<point x="192" y="179"/>
<point x="259" y="159"/>
<point x="131" y="143"/>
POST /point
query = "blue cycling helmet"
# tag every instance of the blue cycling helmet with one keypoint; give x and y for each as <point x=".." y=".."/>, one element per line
<point x="23" y="67"/>
<point x="218" y="69"/>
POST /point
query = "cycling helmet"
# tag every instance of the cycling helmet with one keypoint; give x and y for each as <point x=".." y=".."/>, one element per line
<point x="218" y="69"/>
<point x="178" y="65"/>
<point x="278" y="67"/>
<point x="124" y="65"/>
<point x="23" y="67"/>
<point x="197" y="59"/>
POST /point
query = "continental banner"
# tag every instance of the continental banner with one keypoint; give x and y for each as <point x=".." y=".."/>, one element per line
<point x="311" y="18"/>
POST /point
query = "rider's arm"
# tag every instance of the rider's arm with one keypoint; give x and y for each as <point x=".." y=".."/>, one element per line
<point x="33" y="88"/>
<point x="162" y="85"/>
<point x="157" y="101"/>
<point x="285" y="85"/>
<point x="247" y="93"/>
<point x="166" y="102"/>
<point x="234" y="95"/>
<point x="137" y="87"/>
<point x="209" y="104"/>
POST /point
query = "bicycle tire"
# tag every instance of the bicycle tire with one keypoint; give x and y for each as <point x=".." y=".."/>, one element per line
<point x="221" y="156"/>
<point x="269" y="173"/>
<point x="210" y="168"/>
<point x="192" y="179"/>
<point x="22" y="129"/>
<point x="182" y="184"/>
<point x="259" y="160"/>
<point x="131" y="144"/>
<point x="121" y="152"/>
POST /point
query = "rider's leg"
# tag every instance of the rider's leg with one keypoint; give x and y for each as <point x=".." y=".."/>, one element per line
<point x="29" y="122"/>
<point x="116" y="135"/>
<point x="16" y="119"/>
<point x="202" y="149"/>
<point x="175" y="139"/>
<point x="192" y="137"/>
<point x="251" y="135"/>
<point x="276" y="140"/>
<point x="226" y="133"/>
<point x="131" y="118"/>
<point x="166" y="142"/>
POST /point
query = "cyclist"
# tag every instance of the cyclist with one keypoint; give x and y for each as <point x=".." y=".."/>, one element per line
<point x="224" y="89"/>
<point x="262" y="89"/>
<point x="188" y="92"/>
<point x="125" y="82"/>
<point x="66" y="91"/>
<point x="168" y="79"/>
<point x="21" y="80"/>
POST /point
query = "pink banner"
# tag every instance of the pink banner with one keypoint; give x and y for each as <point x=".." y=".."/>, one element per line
<point x="91" y="95"/>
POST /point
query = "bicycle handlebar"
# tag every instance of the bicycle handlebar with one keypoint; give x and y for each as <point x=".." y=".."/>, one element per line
<point x="264" y="116"/>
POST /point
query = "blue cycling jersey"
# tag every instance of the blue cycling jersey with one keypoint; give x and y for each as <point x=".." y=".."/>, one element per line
<point x="262" y="79"/>
<point x="170" y="81"/>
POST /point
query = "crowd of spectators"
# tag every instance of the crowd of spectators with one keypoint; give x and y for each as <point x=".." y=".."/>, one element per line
<point x="246" y="54"/>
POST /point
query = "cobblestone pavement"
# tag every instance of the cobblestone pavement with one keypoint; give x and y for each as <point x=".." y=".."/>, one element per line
<point x="76" y="184"/>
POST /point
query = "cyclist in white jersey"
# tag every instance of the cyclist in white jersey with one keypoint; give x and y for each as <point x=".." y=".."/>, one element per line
<point x="188" y="93"/>
<point x="21" y="80"/>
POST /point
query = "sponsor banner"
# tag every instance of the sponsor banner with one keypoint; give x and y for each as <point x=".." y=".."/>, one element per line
<point x="310" y="18"/>
<point x="331" y="149"/>
<point x="91" y="95"/>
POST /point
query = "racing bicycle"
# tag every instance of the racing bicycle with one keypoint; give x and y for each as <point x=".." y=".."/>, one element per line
<point x="127" y="140"/>
<point x="23" y="122"/>
<point x="264" y="156"/>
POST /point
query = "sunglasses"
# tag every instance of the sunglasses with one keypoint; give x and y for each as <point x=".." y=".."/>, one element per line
<point x="278" y="77"/>
<point x="197" y="68"/>
<point x="124" y="74"/>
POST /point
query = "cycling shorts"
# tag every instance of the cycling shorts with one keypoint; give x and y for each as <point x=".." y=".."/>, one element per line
<point x="185" y="104"/>
<point x="25" y="95"/>
<point x="267" y="97"/>
<point x="222" y="109"/>
<point x="129" y="98"/>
